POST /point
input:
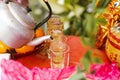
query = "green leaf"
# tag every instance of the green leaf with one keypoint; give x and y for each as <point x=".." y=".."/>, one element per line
<point x="96" y="60"/>
<point x="89" y="24"/>
<point x="85" y="41"/>
<point x="78" y="10"/>
<point x="94" y="4"/>
<point x="78" y="75"/>
<point x="103" y="3"/>
<point x="101" y="21"/>
<point x="87" y="60"/>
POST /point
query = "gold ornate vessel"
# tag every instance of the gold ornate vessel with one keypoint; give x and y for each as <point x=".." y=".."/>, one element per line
<point x="108" y="36"/>
<point x="112" y="46"/>
<point x="112" y="16"/>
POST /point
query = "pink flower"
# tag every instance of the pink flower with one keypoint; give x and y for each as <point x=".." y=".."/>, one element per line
<point x="105" y="72"/>
<point x="13" y="70"/>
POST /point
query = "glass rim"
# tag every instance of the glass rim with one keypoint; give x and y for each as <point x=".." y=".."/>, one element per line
<point x="65" y="51"/>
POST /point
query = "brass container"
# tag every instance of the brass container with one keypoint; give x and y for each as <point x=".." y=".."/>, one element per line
<point x="112" y="46"/>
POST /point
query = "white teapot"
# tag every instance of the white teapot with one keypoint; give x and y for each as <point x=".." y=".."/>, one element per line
<point x="17" y="26"/>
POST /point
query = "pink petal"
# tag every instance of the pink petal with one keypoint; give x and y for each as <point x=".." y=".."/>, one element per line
<point x="105" y="72"/>
<point x="13" y="70"/>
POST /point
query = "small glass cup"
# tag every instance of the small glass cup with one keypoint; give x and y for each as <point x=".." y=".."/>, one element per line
<point x="59" y="59"/>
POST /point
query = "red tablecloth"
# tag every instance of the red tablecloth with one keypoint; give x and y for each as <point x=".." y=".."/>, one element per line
<point x="77" y="51"/>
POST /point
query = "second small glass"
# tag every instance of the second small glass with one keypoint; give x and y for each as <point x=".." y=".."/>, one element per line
<point x="59" y="59"/>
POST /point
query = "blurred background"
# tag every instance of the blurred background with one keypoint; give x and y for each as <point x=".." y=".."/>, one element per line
<point x="80" y="17"/>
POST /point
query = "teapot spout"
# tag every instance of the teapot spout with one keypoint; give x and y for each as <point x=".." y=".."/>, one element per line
<point x="39" y="40"/>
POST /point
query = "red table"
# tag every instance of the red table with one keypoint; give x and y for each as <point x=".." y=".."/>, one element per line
<point x="77" y="51"/>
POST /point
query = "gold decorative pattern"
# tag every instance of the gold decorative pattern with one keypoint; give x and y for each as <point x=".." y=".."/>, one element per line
<point x="112" y="16"/>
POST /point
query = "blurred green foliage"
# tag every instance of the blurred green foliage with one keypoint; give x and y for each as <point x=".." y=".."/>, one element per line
<point x="80" y="17"/>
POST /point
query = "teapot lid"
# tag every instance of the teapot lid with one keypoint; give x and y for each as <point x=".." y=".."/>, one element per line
<point x="21" y="14"/>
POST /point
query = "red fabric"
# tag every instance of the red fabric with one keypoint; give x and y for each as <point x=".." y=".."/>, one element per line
<point x="77" y="51"/>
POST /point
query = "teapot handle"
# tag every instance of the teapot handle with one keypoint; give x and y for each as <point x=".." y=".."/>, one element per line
<point x="44" y="20"/>
<point x="47" y="18"/>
